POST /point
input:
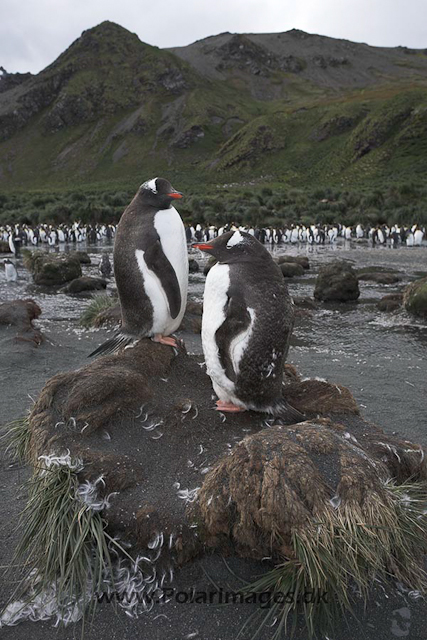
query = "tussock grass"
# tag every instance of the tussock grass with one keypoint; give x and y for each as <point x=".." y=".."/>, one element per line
<point x="18" y="435"/>
<point x="99" y="303"/>
<point x="345" y="547"/>
<point x="64" y="544"/>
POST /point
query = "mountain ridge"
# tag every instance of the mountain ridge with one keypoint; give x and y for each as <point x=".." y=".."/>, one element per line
<point x="292" y="105"/>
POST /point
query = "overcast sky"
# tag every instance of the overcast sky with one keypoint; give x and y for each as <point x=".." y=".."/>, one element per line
<point x="34" y="32"/>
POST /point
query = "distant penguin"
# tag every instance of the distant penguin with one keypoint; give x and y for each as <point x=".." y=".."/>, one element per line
<point x="10" y="269"/>
<point x="418" y="237"/>
<point x="150" y="266"/>
<point x="105" y="266"/>
<point x="246" y="326"/>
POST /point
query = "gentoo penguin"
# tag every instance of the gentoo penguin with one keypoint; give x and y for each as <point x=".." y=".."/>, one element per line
<point x="246" y="326"/>
<point x="105" y="266"/>
<point x="150" y="266"/>
<point x="10" y="269"/>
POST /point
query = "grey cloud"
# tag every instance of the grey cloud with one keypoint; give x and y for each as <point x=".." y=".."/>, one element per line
<point x="33" y="34"/>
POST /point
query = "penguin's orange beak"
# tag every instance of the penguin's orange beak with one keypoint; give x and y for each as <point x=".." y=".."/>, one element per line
<point x="203" y="246"/>
<point x="175" y="195"/>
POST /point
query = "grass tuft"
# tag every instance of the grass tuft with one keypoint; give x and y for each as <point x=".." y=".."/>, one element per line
<point x="99" y="303"/>
<point x="345" y="547"/>
<point x="18" y="436"/>
<point x="64" y="543"/>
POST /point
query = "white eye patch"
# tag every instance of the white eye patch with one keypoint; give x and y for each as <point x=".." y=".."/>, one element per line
<point x="150" y="185"/>
<point x="236" y="238"/>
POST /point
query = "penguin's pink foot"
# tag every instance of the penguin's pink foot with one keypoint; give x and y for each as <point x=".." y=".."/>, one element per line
<point x="168" y="340"/>
<point x="228" y="407"/>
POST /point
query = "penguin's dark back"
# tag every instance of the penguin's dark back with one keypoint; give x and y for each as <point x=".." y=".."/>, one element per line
<point x="265" y="291"/>
<point x="137" y="309"/>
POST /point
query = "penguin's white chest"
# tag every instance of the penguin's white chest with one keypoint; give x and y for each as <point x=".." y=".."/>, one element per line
<point x="170" y="229"/>
<point x="214" y="315"/>
<point x="11" y="275"/>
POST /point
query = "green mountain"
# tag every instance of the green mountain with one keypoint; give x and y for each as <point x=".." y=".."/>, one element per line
<point x="288" y="108"/>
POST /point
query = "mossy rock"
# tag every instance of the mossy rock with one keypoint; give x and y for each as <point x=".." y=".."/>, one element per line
<point x="52" y="269"/>
<point x="337" y="282"/>
<point x="415" y="298"/>
<point x="291" y="269"/>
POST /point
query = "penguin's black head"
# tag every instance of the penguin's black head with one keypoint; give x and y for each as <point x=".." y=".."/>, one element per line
<point x="158" y="193"/>
<point x="235" y="246"/>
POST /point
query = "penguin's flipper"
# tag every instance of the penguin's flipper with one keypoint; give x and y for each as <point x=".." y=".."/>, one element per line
<point x="237" y="322"/>
<point x="113" y="345"/>
<point x="158" y="263"/>
<point x="282" y="410"/>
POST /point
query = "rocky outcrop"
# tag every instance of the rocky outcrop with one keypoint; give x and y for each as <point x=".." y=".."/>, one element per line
<point x="11" y="80"/>
<point x="85" y="283"/>
<point x="19" y="316"/>
<point x="415" y="298"/>
<point x="380" y="277"/>
<point x="291" y="269"/>
<point x="338" y="282"/>
<point x="188" y="137"/>
<point x="302" y="260"/>
<point x="52" y="269"/>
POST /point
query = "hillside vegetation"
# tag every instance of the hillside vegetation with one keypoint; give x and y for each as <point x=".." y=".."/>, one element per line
<point x="290" y="112"/>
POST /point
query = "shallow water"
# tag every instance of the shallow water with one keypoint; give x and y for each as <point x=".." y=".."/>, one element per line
<point x="381" y="357"/>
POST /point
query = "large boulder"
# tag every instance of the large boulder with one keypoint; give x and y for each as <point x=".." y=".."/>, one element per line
<point x="291" y="269"/>
<point x="85" y="283"/>
<point x="302" y="260"/>
<point x="338" y="282"/>
<point x="52" y="269"/>
<point x="415" y="298"/>
<point x="19" y="315"/>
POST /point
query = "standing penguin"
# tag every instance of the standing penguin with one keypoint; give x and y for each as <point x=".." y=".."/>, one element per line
<point x="150" y="266"/>
<point x="246" y="327"/>
<point x="10" y="269"/>
<point x="105" y="266"/>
